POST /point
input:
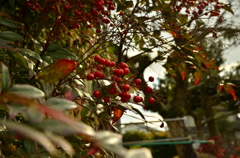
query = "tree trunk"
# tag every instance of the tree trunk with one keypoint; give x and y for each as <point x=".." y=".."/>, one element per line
<point x="177" y="130"/>
<point x="211" y="124"/>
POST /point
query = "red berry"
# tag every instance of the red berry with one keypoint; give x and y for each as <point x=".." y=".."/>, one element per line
<point x="99" y="67"/>
<point x="29" y="5"/>
<point x="37" y="5"/>
<point x="148" y="90"/>
<point x="97" y="94"/>
<point x="126" y="71"/>
<point x="67" y="7"/>
<point x="99" y="74"/>
<point x="121" y="13"/>
<point x="112" y="91"/>
<point x="52" y="8"/>
<point x="151" y="79"/>
<point x="90" y="76"/>
<point x="123" y="65"/>
<point x="118" y="72"/>
<point x="69" y="33"/>
<point x="137" y="99"/>
<point x="102" y="61"/>
<point x="138" y="81"/>
<point x="107" y="63"/>
<point x="98" y="31"/>
<point x="124" y="100"/>
<point x="97" y="58"/>
<point x="41" y="9"/>
<point x="126" y="87"/>
<point x="151" y="100"/>
<point x="113" y="63"/>
<point x="33" y="8"/>
<point x="106" y="99"/>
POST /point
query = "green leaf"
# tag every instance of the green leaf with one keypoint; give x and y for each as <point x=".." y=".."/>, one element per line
<point x="60" y="104"/>
<point x="61" y="142"/>
<point x="61" y="53"/>
<point x="32" y="114"/>
<point x="31" y="133"/>
<point x="18" y="58"/>
<point x="182" y="19"/>
<point x="9" y="23"/>
<point x="29" y="146"/>
<point x="57" y="127"/>
<point x="9" y="35"/>
<point x="11" y="3"/>
<point x="27" y="91"/>
<point x="6" y="79"/>
<point x="29" y="53"/>
<point x="199" y="22"/>
<point x="15" y="109"/>
<point x="228" y="8"/>
<point x="53" y="47"/>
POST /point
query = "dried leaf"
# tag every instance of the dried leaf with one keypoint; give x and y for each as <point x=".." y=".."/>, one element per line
<point x="117" y="115"/>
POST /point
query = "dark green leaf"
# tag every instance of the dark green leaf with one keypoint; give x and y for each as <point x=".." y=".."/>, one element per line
<point x="9" y="35"/>
<point x="60" y="104"/>
<point x="6" y="79"/>
<point x="228" y="8"/>
<point x="11" y="3"/>
<point x="53" y="47"/>
<point x="18" y="58"/>
<point x="29" y="146"/>
<point x="27" y="91"/>
<point x="9" y="23"/>
<point x="29" y="53"/>
<point x="61" y="53"/>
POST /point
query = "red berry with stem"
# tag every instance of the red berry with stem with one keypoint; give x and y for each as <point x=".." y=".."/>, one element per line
<point x="124" y="100"/>
<point x="97" y="94"/>
<point x="126" y="87"/>
<point x="106" y="99"/>
<point x="90" y="76"/>
<point x="138" y="81"/>
<point x="151" y="79"/>
<point x="151" y="100"/>
<point x="148" y="90"/>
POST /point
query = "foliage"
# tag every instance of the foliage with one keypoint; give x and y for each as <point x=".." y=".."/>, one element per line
<point x="220" y="148"/>
<point x="49" y="48"/>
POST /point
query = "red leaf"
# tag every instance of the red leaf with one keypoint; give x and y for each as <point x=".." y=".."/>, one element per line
<point x="59" y="69"/>
<point x="220" y="86"/>
<point x="117" y="115"/>
<point x="91" y="150"/>
<point x="197" y="75"/>
<point x="228" y="87"/>
<point x="182" y="70"/>
<point x="215" y="13"/>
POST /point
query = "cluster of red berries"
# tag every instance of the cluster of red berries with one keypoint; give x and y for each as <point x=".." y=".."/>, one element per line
<point x="196" y="8"/>
<point x="35" y="6"/>
<point x="120" y="85"/>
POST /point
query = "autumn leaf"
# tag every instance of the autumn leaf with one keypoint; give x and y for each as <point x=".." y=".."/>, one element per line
<point x="220" y="86"/>
<point x="182" y="70"/>
<point x="215" y="13"/>
<point x="197" y="76"/>
<point x="59" y="69"/>
<point x="91" y="150"/>
<point x="117" y="115"/>
<point x="228" y="87"/>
